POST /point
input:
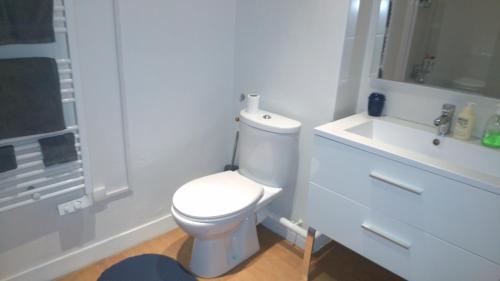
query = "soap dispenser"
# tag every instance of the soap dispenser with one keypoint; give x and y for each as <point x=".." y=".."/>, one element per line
<point x="465" y="122"/>
<point x="491" y="137"/>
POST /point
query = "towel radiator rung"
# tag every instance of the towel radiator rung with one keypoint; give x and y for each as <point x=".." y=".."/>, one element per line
<point x="59" y="19"/>
<point x="41" y="182"/>
<point x="42" y="197"/>
<point x="27" y="176"/>
<point x="59" y="8"/>
<point x="68" y="182"/>
<point x="32" y="160"/>
<point x="66" y="81"/>
<point x="34" y="146"/>
<point x="67" y="91"/>
<point x="69" y="129"/>
<point x="65" y="71"/>
<point x="60" y="29"/>
<point x="63" y="61"/>
<point x="69" y="100"/>
<point x="36" y="156"/>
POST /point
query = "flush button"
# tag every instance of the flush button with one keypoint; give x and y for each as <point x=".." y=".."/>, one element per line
<point x="267" y="116"/>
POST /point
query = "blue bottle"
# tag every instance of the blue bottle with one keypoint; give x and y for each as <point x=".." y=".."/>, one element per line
<point x="376" y="103"/>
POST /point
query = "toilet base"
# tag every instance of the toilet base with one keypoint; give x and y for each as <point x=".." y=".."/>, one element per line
<point x="214" y="257"/>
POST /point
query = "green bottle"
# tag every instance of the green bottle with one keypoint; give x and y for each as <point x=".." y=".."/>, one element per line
<point x="491" y="137"/>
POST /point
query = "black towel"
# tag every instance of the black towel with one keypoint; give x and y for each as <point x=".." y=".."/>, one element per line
<point x="7" y="158"/>
<point x="58" y="149"/>
<point x="30" y="97"/>
<point x="26" y="21"/>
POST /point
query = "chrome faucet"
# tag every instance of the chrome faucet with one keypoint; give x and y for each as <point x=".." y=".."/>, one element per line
<point x="443" y="122"/>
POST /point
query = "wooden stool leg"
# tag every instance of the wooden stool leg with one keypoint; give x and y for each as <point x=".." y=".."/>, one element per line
<point x="308" y="252"/>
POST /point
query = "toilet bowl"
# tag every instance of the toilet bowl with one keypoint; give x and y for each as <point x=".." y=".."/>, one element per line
<point x="219" y="210"/>
<point x="469" y="84"/>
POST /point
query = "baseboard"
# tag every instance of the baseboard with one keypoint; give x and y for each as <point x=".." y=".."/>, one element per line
<point x="99" y="250"/>
<point x="293" y="237"/>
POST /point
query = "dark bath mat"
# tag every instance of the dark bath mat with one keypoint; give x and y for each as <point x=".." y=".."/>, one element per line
<point x="147" y="267"/>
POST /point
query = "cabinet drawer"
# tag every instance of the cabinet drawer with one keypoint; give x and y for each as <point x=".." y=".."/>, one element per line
<point x="401" y="248"/>
<point x="455" y="212"/>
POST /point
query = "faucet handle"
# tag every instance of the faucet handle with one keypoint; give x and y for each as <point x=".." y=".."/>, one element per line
<point x="448" y="108"/>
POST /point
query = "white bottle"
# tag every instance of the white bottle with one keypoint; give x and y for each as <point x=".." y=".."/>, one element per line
<point x="465" y="122"/>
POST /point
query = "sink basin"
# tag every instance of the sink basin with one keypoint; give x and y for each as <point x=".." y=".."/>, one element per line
<point x="413" y="143"/>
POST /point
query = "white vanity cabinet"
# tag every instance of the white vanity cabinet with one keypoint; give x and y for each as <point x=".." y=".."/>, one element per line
<point x="421" y="225"/>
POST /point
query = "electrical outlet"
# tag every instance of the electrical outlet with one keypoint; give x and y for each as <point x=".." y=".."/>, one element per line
<point x="73" y="206"/>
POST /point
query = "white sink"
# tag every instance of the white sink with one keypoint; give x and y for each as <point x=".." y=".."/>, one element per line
<point x="413" y="143"/>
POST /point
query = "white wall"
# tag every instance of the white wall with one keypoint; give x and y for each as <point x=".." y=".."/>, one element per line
<point x="178" y="73"/>
<point x="101" y="93"/>
<point x="290" y="52"/>
<point x="352" y="60"/>
<point x="178" y="67"/>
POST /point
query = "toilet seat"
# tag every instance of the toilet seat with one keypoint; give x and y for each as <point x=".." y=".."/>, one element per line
<point x="217" y="196"/>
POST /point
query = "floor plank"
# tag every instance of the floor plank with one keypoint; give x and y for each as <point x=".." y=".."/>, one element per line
<point x="278" y="260"/>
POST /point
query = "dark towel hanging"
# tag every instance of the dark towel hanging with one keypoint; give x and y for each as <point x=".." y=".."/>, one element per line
<point x="58" y="149"/>
<point x="7" y="158"/>
<point x="30" y="97"/>
<point x="26" y="21"/>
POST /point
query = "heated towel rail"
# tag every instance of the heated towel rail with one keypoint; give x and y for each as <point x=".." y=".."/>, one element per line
<point x="32" y="181"/>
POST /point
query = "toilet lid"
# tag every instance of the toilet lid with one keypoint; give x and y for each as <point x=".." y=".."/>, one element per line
<point x="215" y="196"/>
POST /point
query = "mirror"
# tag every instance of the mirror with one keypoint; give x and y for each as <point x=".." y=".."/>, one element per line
<point x="453" y="44"/>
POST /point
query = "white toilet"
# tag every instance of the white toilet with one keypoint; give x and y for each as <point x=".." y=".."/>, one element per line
<point x="219" y="210"/>
<point x="469" y="84"/>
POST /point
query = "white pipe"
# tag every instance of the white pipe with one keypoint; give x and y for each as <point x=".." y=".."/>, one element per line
<point x="290" y="225"/>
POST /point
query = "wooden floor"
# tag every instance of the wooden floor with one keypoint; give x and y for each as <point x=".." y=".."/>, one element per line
<point x="277" y="260"/>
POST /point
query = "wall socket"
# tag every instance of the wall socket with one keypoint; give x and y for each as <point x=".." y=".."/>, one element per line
<point x="73" y="206"/>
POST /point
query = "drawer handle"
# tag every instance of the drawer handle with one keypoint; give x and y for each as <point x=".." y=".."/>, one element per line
<point x="397" y="184"/>
<point x="386" y="236"/>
